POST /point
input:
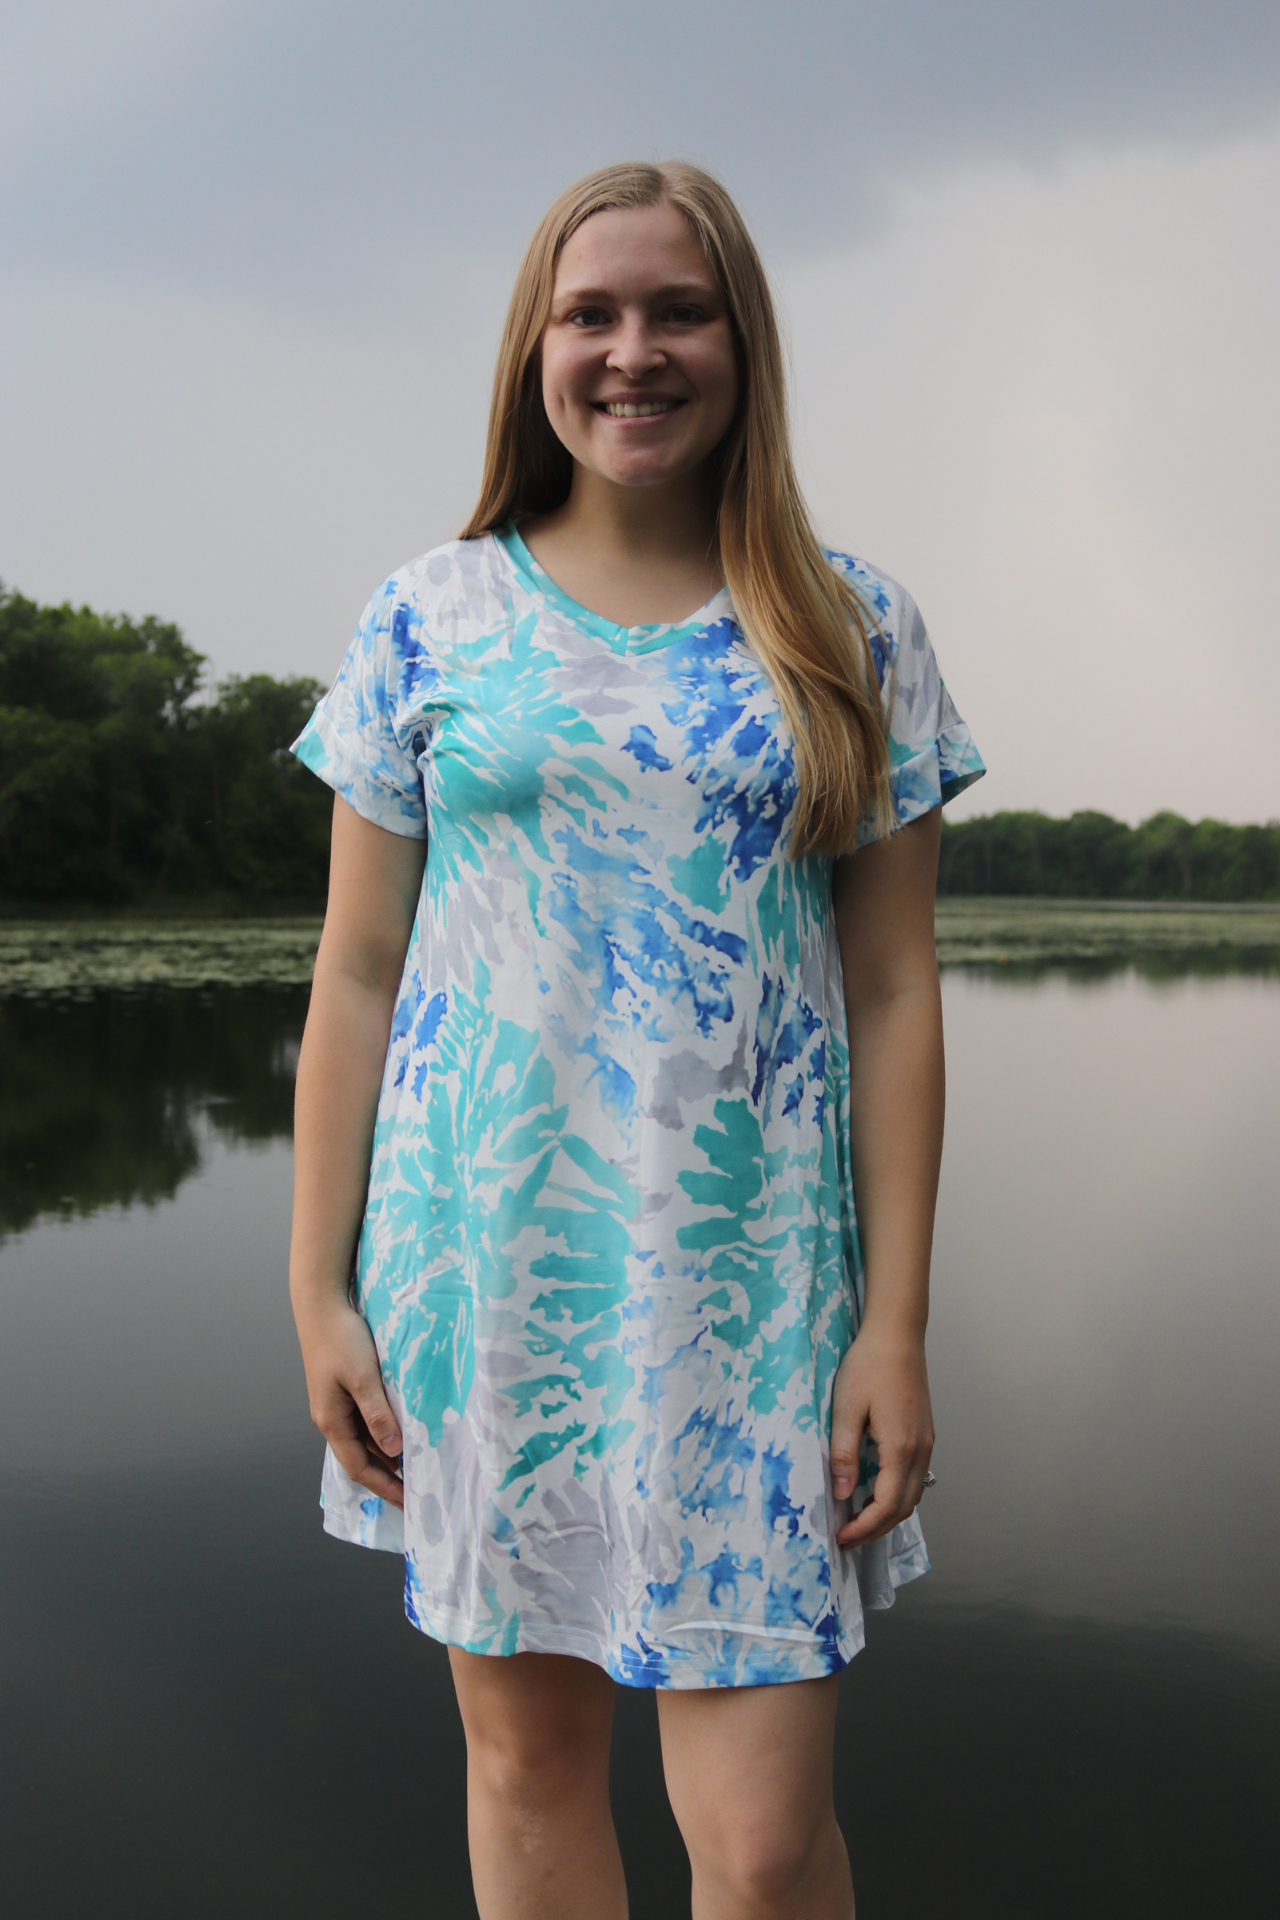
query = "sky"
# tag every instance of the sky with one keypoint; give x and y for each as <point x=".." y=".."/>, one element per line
<point x="254" y="261"/>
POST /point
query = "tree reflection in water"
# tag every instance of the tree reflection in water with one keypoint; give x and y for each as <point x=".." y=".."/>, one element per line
<point x="108" y="1100"/>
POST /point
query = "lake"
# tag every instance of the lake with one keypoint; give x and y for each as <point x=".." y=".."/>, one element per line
<point x="210" y="1707"/>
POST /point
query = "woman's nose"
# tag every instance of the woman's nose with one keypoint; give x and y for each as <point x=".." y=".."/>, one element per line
<point x="635" y="350"/>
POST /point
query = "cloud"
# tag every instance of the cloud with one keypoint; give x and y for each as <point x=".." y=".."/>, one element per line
<point x="325" y="152"/>
<point x="1051" y="405"/>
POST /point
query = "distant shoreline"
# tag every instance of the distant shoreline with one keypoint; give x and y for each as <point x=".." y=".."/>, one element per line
<point x="220" y="909"/>
<point x="1159" y="938"/>
<point x="212" y="908"/>
<point x="128" y="951"/>
<point x="1052" y="903"/>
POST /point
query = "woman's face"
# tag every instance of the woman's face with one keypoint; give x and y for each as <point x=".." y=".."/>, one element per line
<point x="639" y="376"/>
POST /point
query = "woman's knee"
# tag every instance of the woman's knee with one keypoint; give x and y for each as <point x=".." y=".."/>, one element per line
<point x="516" y="1762"/>
<point x="762" y="1862"/>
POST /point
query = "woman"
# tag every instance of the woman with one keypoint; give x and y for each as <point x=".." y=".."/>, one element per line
<point x="577" y="1106"/>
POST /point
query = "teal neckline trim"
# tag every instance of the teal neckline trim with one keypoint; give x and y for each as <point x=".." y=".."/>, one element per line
<point x="536" y="581"/>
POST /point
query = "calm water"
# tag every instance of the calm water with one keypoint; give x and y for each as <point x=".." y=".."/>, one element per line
<point x="210" y="1708"/>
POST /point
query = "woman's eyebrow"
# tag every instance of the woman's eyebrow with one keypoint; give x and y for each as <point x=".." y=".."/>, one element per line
<point x="679" y="290"/>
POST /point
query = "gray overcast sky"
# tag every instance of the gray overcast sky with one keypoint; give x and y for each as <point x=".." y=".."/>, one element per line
<point x="255" y="259"/>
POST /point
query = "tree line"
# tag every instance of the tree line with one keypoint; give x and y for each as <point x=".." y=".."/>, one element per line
<point x="124" y="780"/>
<point x="1090" y="856"/>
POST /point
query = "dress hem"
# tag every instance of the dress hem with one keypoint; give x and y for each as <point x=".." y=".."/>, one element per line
<point x="564" y="1641"/>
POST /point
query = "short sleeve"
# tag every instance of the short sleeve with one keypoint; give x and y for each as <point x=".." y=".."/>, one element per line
<point x="362" y="740"/>
<point x="932" y="756"/>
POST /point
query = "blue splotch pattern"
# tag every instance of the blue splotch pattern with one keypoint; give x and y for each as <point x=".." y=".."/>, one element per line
<point x="609" y="1255"/>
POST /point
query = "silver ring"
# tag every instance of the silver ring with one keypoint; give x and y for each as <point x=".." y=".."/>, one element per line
<point x="930" y="1480"/>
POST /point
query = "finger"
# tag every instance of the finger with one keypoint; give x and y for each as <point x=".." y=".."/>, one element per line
<point x="364" y="1466"/>
<point x="891" y="1501"/>
<point x="375" y="1411"/>
<point x="361" y="1460"/>
<point x="359" y="1427"/>
<point x="847" y="1429"/>
<point x="358" y="1465"/>
<point x="391" y="1461"/>
<point x="869" y="1525"/>
<point x="917" y="1471"/>
<point x="874" y="1520"/>
<point x="893" y="1482"/>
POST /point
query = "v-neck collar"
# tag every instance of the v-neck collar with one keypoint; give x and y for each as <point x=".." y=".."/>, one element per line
<point x="647" y="639"/>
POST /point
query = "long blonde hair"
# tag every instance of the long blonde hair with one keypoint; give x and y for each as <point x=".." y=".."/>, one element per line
<point x="804" y="620"/>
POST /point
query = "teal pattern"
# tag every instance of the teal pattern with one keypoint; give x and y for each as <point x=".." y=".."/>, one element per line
<point x="609" y="1254"/>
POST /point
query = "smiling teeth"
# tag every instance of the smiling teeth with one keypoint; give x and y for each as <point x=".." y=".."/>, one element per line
<point x="636" y="410"/>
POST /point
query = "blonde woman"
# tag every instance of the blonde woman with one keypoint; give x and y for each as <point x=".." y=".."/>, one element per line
<point x="627" y="986"/>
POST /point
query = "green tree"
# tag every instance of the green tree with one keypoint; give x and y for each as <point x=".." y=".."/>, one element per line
<point x="265" y="827"/>
<point x="118" y="784"/>
<point x="1093" y="857"/>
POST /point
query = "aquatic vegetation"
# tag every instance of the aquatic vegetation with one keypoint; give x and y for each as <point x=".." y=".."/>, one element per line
<point x="80" y="957"/>
<point x="1157" y="939"/>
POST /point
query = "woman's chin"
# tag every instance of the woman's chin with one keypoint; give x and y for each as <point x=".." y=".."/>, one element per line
<point x="646" y="468"/>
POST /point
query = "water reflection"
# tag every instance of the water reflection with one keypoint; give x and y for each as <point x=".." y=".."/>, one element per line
<point x="1076" y="1712"/>
<point x="104" y="1098"/>
<point x="1158" y="967"/>
<point x="1105" y="1339"/>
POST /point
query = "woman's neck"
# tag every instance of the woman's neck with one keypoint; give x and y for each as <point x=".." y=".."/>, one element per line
<point x="635" y="555"/>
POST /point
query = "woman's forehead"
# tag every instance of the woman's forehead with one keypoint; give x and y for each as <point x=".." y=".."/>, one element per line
<point x="629" y="246"/>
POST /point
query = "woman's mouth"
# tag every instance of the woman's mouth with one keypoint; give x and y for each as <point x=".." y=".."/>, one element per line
<point x="635" y="409"/>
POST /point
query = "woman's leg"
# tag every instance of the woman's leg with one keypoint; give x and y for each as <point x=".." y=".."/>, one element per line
<point x="749" y="1774"/>
<point x="538" y="1820"/>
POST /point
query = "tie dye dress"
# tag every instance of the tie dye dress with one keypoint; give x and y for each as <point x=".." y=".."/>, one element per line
<point x="608" y="1254"/>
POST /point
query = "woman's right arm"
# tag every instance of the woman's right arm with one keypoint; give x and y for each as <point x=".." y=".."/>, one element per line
<point x="374" y="878"/>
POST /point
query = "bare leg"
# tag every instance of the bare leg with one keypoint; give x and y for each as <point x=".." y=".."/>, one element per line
<point x="749" y="1774"/>
<point x="538" y="1818"/>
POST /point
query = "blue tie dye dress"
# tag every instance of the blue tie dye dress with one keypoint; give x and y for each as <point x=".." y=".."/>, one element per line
<point x="608" y="1254"/>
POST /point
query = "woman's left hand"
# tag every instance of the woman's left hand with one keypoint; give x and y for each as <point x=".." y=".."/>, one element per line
<point x="882" y="1389"/>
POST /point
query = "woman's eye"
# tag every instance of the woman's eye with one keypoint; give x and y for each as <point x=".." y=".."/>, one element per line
<point x="589" y="317"/>
<point x="684" y="316"/>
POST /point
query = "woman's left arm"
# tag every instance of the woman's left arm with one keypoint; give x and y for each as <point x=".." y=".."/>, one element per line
<point x="883" y="903"/>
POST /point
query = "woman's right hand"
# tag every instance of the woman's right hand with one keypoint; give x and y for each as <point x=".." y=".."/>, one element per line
<point x="348" y="1402"/>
